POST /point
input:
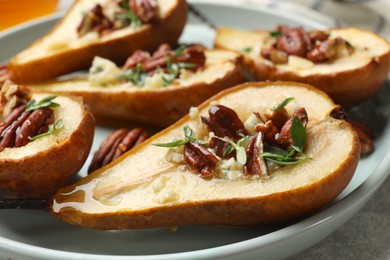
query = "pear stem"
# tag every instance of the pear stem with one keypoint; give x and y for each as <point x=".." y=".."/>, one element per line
<point x="24" y="204"/>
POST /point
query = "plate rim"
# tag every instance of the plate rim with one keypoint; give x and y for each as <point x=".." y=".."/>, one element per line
<point x="356" y="197"/>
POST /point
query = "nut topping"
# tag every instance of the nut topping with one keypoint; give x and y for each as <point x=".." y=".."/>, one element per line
<point x="116" y="144"/>
<point x="20" y="126"/>
<point x="12" y="96"/>
<point x="284" y="138"/>
<point x="160" y="59"/>
<point x="146" y="10"/>
<point x="256" y="165"/>
<point x="315" y="46"/>
<point x="117" y="15"/>
<point x="231" y="152"/>
<point x="223" y="122"/>
<point x="94" y="20"/>
<point x="36" y="123"/>
<point x="200" y="160"/>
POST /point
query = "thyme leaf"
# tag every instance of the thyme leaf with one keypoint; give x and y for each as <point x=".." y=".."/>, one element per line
<point x="53" y="127"/>
<point x="240" y="150"/>
<point x="188" y="137"/>
<point x="246" y="49"/>
<point x="44" y="103"/>
<point x="135" y="75"/>
<point x="298" y="134"/>
<point x="282" y="104"/>
<point x="275" y="34"/>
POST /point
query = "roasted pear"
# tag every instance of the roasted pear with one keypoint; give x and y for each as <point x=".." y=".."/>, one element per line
<point x="43" y="143"/>
<point x="350" y="64"/>
<point x="153" y="88"/>
<point x="225" y="163"/>
<point x="106" y="28"/>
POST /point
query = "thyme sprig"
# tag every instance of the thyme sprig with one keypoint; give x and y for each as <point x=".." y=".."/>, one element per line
<point x="240" y="149"/>
<point x="43" y="103"/>
<point x="282" y="104"/>
<point x="53" y="127"/>
<point x="129" y="16"/>
<point x="135" y="75"/>
<point x="188" y="137"/>
<point x="294" y="153"/>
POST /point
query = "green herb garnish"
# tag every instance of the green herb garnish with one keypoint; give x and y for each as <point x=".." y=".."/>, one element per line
<point x="295" y="152"/>
<point x="275" y="34"/>
<point x="135" y="75"/>
<point x="282" y="104"/>
<point x="44" y="103"/>
<point x="173" y="70"/>
<point x="246" y="49"/>
<point x="57" y="125"/>
<point x="240" y="150"/>
<point x="129" y="17"/>
<point x="179" y="51"/>
<point x="188" y="137"/>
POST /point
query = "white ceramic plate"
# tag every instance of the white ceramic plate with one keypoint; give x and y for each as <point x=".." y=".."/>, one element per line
<point x="29" y="234"/>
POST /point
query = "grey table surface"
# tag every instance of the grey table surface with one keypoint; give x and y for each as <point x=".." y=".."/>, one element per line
<point x="365" y="236"/>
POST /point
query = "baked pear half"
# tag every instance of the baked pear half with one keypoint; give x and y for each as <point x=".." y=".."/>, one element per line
<point x="255" y="154"/>
<point x="350" y="64"/>
<point x="153" y="88"/>
<point x="43" y="143"/>
<point x="106" y="28"/>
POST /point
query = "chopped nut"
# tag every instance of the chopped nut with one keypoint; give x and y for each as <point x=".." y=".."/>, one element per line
<point x="200" y="160"/>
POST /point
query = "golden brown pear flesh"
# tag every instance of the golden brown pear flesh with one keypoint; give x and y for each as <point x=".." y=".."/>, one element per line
<point x="61" y="51"/>
<point x="160" y="106"/>
<point x="349" y="80"/>
<point x="38" y="169"/>
<point x="142" y="189"/>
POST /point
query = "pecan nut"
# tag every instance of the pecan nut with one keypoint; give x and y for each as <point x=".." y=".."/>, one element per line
<point x="36" y="123"/>
<point x="94" y="20"/>
<point x="223" y="122"/>
<point x="256" y="165"/>
<point x="146" y="10"/>
<point x="294" y="41"/>
<point x="200" y="160"/>
<point x="193" y="54"/>
<point x="116" y="144"/>
<point x="366" y="136"/>
<point x="20" y="126"/>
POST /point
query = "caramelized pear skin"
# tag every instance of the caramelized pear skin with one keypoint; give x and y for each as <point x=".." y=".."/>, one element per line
<point x="38" y="169"/>
<point x="61" y="51"/>
<point x="142" y="189"/>
<point x="349" y="79"/>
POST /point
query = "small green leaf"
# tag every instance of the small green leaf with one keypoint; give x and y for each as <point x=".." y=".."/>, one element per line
<point x="185" y="65"/>
<point x="57" y="125"/>
<point x="228" y="150"/>
<point x="246" y="50"/>
<point x="188" y="137"/>
<point x="44" y="103"/>
<point x="298" y="133"/>
<point x="172" y="144"/>
<point x="129" y="17"/>
<point x="134" y="75"/>
<point x="179" y="51"/>
<point x="283" y="103"/>
<point x="241" y="155"/>
<point x="275" y="34"/>
<point x="276" y="150"/>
